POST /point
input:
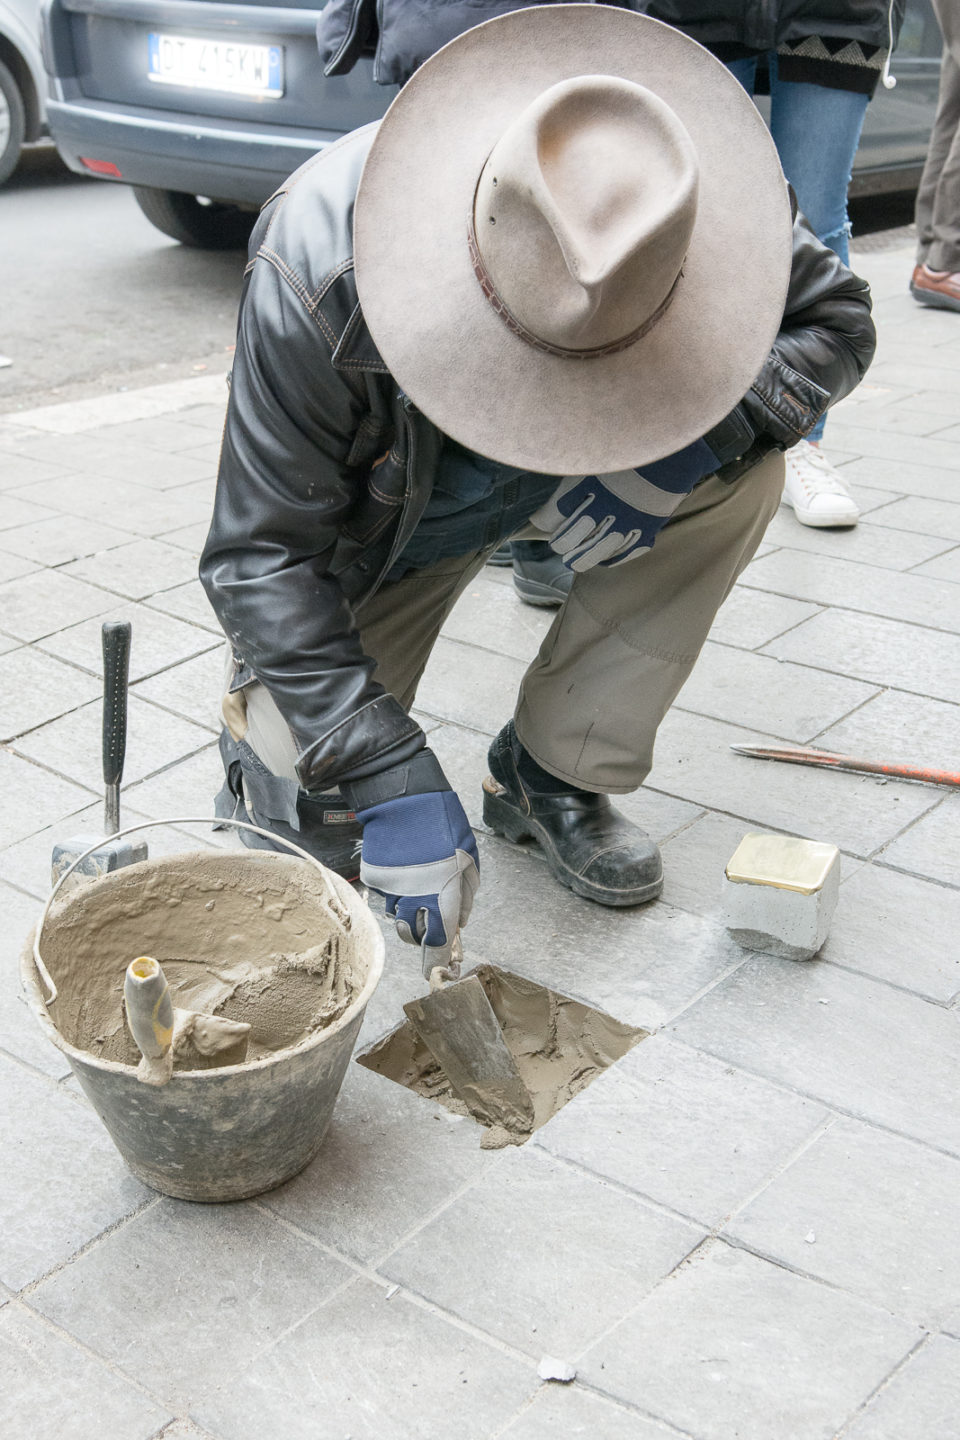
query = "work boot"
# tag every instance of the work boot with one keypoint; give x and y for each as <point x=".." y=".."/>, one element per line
<point x="587" y="844"/>
<point x="539" y="575"/>
<point x="328" y="829"/>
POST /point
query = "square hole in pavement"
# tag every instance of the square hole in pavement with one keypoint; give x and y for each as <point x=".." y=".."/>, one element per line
<point x="559" y="1046"/>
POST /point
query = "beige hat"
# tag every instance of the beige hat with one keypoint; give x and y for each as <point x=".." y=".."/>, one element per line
<point x="573" y="239"/>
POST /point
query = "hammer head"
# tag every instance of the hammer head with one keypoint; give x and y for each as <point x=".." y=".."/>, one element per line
<point x="109" y="855"/>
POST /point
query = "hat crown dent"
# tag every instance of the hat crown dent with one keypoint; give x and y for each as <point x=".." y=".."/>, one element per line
<point x="584" y="211"/>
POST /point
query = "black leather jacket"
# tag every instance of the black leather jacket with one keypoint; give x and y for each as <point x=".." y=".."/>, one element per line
<point x="326" y="466"/>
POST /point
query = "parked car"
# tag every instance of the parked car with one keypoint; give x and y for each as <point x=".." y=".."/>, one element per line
<point x="23" y="84"/>
<point x="205" y="106"/>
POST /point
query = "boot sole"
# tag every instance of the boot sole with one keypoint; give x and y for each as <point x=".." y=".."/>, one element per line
<point x="503" y="819"/>
<point x="535" y="593"/>
<point x="934" y="300"/>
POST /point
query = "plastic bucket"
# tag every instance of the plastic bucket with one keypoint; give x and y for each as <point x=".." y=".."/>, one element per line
<point x="212" y="1134"/>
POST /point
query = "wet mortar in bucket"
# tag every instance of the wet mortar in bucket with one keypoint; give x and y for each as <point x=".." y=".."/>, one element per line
<point x="560" y="1045"/>
<point x="260" y="938"/>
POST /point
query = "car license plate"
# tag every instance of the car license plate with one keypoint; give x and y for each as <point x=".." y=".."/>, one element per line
<point x="224" y="65"/>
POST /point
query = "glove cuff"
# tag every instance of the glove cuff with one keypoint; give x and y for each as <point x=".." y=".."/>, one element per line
<point x="421" y="775"/>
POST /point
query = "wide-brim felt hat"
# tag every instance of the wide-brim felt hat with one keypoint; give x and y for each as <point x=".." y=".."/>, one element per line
<point x="573" y="239"/>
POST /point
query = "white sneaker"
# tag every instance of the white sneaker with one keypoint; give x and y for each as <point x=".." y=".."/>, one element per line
<point x="814" y="489"/>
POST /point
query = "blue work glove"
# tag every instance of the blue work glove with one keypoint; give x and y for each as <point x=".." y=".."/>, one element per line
<point x="418" y="852"/>
<point x="607" y="519"/>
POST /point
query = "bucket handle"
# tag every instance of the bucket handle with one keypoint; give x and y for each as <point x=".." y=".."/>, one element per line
<point x="215" y="822"/>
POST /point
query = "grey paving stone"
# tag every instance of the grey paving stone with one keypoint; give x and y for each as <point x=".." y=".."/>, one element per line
<point x="102" y="453"/>
<point x="734" y="1346"/>
<point x="945" y="567"/>
<point x="187" y="602"/>
<point x="568" y="1411"/>
<point x="935" y="400"/>
<point x="389" y="1160"/>
<point x="67" y="537"/>
<point x="790" y="701"/>
<point x="920" y="1402"/>
<point x="540" y="1256"/>
<point x="750" y="618"/>
<point x="935" y="483"/>
<point x="166" y="433"/>
<point x="45" y="601"/>
<point x="191" y="689"/>
<point x="21" y="510"/>
<point x="473" y="687"/>
<point x="207" y="453"/>
<point x="932" y="846"/>
<point x="928" y="517"/>
<point x="682" y="1128"/>
<point x="188" y="537"/>
<point x="861" y="1047"/>
<point x="898" y="727"/>
<point x="890" y="445"/>
<point x="828" y="581"/>
<point x="17" y="467"/>
<point x="138" y="569"/>
<point x="884" y="1213"/>
<point x="158" y="641"/>
<point x="184" y="788"/>
<point x="885" y="415"/>
<point x="855" y="812"/>
<point x="62" y="1181"/>
<point x="372" y="1369"/>
<point x="493" y="616"/>
<point x="144" y="511"/>
<point x="31" y="796"/>
<point x="878" y="650"/>
<point x="35" y="688"/>
<point x="895" y="927"/>
<point x="55" y="1391"/>
<point x="13" y="566"/>
<point x="236" y="1280"/>
<point x="640" y="965"/>
<point x="73" y="745"/>
<point x="20" y="1034"/>
<point x="866" y="545"/>
<point x="206" y="417"/>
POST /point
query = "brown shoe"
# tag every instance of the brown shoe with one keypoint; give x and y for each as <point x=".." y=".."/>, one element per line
<point x="936" y="287"/>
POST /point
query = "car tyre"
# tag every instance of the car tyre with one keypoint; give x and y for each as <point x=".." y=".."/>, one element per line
<point x="13" y="123"/>
<point x="204" y="225"/>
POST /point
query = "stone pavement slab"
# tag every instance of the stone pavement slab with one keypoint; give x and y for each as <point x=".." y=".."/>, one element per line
<point x="373" y="1368"/>
<point x="683" y="1129"/>
<point x="932" y="846"/>
<point x="46" y="600"/>
<point x="54" y="1390"/>
<point x="62" y="539"/>
<point x="35" y="689"/>
<point x="540" y="1256"/>
<point x="878" y="650"/>
<point x="210" y="1286"/>
<point x="158" y="640"/>
<point x="852" y="585"/>
<point x="31" y="794"/>
<point x="730" y="1345"/>
<point x="922" y="1399"/>
<point x="137" y="569"/>
<point x="751" y="618"/>
<point x="875" y="545"/>
<point x="876" y="1053"/>
<point x="861" y="1193"/>
<point x="911" y="515"/>
<point x="897" y="727"/>
<point x="571" y="1412"/>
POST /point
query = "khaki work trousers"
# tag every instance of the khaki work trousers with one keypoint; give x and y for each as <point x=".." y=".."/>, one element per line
<point x="615" y="657"/>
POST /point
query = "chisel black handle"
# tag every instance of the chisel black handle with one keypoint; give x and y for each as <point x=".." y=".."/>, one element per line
<point x="116" y="668"/>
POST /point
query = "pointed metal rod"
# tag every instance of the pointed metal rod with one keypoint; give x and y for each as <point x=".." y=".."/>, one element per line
<point x="806" y="755"/>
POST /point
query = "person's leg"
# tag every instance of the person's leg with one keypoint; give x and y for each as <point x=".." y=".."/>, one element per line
<point x="943" y="139"/>
<point x="621" y="648"/>
<point x="936" y="278"/>
<point x="398" y="628"/>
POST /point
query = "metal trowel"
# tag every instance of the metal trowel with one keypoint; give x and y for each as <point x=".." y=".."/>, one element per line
<point x="459" y="1027"/>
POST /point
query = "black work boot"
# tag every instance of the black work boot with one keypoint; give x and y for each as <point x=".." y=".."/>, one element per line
<point x="539" y="575"/>
<point x="588" y="845"/>
<point x="329" y="830"/>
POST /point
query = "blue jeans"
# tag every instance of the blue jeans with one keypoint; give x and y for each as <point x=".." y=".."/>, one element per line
<point x="816" y="130"/>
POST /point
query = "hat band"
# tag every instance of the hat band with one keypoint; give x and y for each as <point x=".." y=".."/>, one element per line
<point x="534" y="341"/>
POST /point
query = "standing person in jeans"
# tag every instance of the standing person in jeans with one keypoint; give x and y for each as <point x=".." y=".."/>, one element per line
<point x="936" y="278"/>
<point x="822" y="60"/>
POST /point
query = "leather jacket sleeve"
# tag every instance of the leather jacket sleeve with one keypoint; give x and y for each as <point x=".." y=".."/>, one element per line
<point x="825" y="345"/>
<point x="284" y="489"/>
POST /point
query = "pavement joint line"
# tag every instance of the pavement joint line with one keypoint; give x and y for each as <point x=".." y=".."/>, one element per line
<point x="857" y="609"/>
<point x="177" y="714"/>
<point x="854" y="709"/>
<point x="76" y="1344"/>
<point x="890" y="984"/>
<point x="49" y="770"/>
<point x="704" y="990"/>
<point x="647" y="1202"/>
<point x="24" y="1294"/>
<point x="870" y="1121"/>
<point x="878" y="1389"/>
<point x="914" y="874"/>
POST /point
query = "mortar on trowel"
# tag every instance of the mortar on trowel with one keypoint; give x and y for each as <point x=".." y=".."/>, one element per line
<point x="271" y="961"/>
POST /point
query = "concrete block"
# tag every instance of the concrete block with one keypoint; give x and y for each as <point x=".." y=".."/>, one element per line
<point x="921" y="1402"/>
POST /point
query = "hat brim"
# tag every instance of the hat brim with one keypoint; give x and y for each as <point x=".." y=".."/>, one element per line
<point x="445" y="344"/>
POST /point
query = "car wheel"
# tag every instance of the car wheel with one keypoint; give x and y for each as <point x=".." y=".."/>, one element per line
<point x="13" y="124"/>
<point x="203" y="224"/>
